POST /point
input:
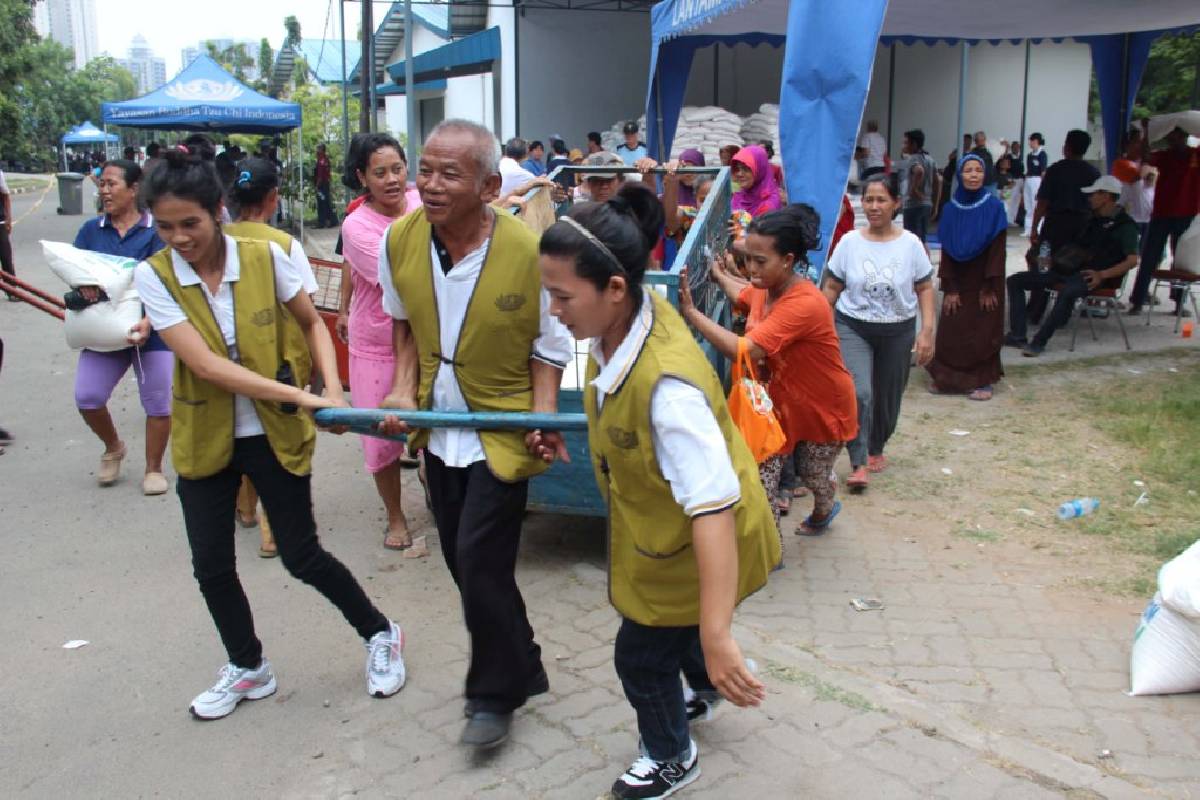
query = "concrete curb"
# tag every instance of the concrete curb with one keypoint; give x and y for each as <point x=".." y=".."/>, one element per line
<point x="1042" y="765"/>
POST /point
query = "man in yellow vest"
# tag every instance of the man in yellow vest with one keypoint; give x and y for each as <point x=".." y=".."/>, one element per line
<point x="473" y="332"/>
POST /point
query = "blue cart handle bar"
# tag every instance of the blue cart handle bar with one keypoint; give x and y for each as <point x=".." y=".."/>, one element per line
<point x="366" y="420"/>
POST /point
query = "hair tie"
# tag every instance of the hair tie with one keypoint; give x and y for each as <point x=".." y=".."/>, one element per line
<point x="591" y="237"/>
<point x="244" y="178"/>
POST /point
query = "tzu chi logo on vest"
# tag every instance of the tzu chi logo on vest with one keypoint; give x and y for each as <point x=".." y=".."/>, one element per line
<point x="204" y="90"/>
<point x="510" y="302"/>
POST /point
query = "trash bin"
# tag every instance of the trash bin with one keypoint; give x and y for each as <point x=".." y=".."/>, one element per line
<point x="70" y="193"/>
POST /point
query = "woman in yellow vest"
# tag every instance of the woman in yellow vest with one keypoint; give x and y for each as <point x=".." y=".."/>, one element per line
<point x="231" y="311"/>
<point x="690" y="527"/>
<point x="255" y="198"/>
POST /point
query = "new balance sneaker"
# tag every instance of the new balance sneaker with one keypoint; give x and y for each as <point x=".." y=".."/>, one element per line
<point x="385" y="662"/>
<point x="234" y="685"/>
<point x="648" y="779"/>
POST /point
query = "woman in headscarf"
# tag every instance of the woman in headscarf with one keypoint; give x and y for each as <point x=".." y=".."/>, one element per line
<point x="971" y="332"/>
<point x="757" y="191"/>
<point x="681" y="200"/>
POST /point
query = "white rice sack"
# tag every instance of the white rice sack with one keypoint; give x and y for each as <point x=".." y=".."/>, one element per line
<point x="1166" y="652"/>
<point x="1179" y="581"/>
<point x="103" y="326"/>
<point x="113" y="274"/>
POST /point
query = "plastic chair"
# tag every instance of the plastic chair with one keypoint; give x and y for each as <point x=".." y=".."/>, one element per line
<point x="1179" y="281"/>
<point x="1097" y="298"/>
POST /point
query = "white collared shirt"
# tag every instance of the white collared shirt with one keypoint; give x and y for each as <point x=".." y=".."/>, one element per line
<point x="461" y="447"/>
<point x="164" y="312"/>
<point x="512" y="176"/>
<point x="688" y="443"/>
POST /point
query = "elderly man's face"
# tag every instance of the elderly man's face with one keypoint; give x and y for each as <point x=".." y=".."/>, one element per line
<point x="602" y="189"/>
<point x="448" y="178"/>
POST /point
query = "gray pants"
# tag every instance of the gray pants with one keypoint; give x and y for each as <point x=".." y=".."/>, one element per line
<point x="878" y="355"/>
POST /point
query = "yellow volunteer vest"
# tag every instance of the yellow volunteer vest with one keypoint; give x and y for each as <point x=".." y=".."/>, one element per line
<point x="652" y="576"/>
<point x="201" y="412"/>
<point x="265" y="233"/>
<point x="491" y="359"/>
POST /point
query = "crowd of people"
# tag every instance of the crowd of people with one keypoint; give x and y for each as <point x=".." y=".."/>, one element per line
<point x="231" y="356"/>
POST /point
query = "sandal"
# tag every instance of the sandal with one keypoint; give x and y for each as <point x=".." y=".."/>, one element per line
<point x="784" y="504"/>
<point x="110" y="467"/>
<point x="810" y="528"/>
<point x="266" y="546"/>
<point x="858" y="479"/>
<point x="877" y="463"/>
<point x="406" y="538"/>
<point x="981" y="394"/>
<point x="800" y="491"/>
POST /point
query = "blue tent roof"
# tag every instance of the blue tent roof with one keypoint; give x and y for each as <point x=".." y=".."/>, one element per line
<point x="204" y="97"/>
<point x="469" y="55"/>
<point x="87" y="133"/>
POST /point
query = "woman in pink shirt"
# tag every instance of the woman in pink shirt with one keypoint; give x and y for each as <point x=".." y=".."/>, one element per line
<point x="379" y="164"/>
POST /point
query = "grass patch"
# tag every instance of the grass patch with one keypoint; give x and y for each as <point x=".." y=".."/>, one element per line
<point x="27" y="183"/>
<point x="978" y="534"/>
<point x="1157" y="417"/>
<point x="822" y="689"/>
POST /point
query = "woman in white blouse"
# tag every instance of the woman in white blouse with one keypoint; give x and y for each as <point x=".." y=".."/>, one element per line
<point x="876" y="279"/>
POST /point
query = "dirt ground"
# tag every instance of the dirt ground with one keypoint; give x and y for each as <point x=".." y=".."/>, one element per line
<point x="994" y="473"/>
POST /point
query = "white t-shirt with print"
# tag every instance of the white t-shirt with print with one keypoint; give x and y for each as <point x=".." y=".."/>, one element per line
<point x="880" y="277"/>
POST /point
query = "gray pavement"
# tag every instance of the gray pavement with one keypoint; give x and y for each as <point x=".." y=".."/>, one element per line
<point x="980" y="678"/>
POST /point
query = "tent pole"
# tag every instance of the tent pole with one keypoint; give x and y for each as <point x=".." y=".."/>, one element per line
<point x="345" y="94"/>
<point x="716" y="74"/>
<point x="891" y="91"/>
<point x="366" y="71"/>
<point x="662" y="157"/>
<point x="410" y="102"/>
<point x="1025" y="95"/>
<point x="300" y="164"/>
<point x="1125" y="110"/>
<point x="964" y="65"/>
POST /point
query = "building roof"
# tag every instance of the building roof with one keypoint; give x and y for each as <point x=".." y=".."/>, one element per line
<point x="390" y="31"/>
<point x="324" y="59"/>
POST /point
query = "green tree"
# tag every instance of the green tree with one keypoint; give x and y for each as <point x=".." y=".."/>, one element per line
<point x="321" y="109"/>
<point x="235" y="59"/>
<point x="16" y="35"/>
<point x="292" y="26"/>
<point x="1171" y="81"/>
<point x="266" y="61"/>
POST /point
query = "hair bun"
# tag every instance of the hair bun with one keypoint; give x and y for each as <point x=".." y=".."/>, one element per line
<point x="179" y="157"/>
<point x="620" y="205"/>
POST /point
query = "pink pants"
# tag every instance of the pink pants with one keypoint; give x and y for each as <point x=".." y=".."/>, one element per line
<point x="370" y="382"/>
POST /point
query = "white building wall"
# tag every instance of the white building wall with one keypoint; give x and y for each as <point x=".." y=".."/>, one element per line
<point x="470" y="97"/>
<point x="926" y="93"/>
<point x="506" y="20"/>
<point x="581" y="71"/>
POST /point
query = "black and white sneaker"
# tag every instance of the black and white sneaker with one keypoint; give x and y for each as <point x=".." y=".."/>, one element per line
<point x="699" y="709"/>
<point x="647" y="779"/>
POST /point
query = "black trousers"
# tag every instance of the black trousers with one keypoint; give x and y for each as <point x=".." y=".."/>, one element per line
<point x="208" y="514"/>
<point x="6" y="255"/>
<point x="325" y="212"/>
<point x="1158" y="233"/>
<point x="478" y="519"/>
<point x="1071" y="288"/>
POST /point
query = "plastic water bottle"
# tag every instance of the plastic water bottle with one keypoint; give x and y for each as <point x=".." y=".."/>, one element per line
<point x="1043" y="257"/>
<point x="1078" y="508"/>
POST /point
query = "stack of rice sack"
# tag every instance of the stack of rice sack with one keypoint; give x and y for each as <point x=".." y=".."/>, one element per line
<point x="763" y="125"/>
<point x="707" y="129"/>
<point x="703" y="128"/>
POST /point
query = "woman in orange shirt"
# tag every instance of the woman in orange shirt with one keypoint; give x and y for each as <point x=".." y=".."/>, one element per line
<point x="789" y="326"/>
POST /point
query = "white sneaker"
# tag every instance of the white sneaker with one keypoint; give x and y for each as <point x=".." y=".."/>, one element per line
<point x="385" y="662"/>
<point x="234" y="685"/>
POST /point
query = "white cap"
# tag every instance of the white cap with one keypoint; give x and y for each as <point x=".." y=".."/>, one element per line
<point x="1107" y="183"/>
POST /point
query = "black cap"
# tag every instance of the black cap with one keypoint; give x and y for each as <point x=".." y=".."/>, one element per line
<point x="631" y="127"/>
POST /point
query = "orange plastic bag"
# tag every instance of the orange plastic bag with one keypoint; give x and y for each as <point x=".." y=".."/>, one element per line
<point x="752" y="410"/>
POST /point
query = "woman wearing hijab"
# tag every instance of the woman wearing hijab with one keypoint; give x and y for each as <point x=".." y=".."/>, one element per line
<point x="757" y="191"/>
<point x="971" y="332"/>
<point x="680" y="198"/>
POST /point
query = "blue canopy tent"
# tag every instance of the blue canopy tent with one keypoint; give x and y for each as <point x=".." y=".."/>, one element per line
<point x="829" y="54"/>
<point x="204" y="97"/>
<point x="86" y="134"/>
